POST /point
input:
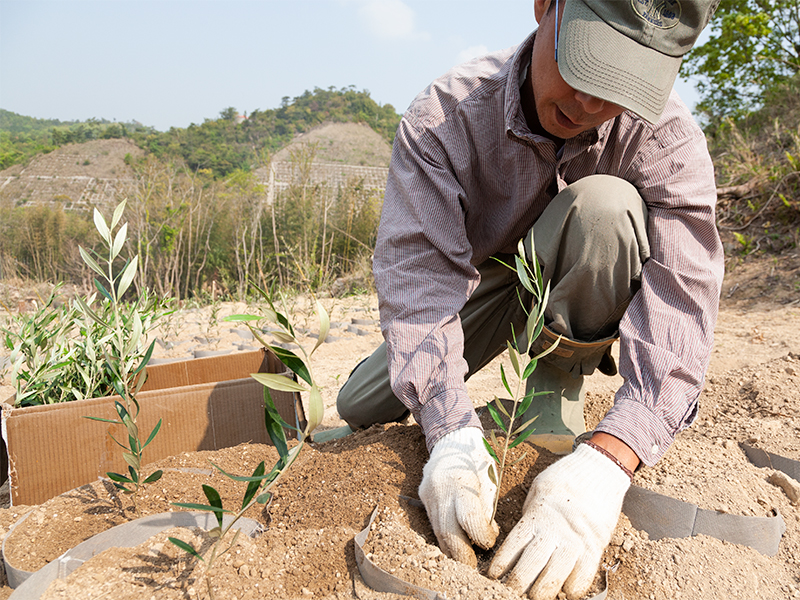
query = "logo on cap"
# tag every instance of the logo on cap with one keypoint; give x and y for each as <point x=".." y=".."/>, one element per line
<point x="664" y="14"/>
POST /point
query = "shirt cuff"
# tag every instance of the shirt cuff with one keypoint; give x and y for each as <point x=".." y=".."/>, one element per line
<point x="637" y="426"/>
<point x="445" y="413"/>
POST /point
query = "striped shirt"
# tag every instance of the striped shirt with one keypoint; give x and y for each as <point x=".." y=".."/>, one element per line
<point x="468" y="179"/>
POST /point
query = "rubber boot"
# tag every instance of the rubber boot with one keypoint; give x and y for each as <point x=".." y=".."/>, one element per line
<point x="559" y="415"/>
<point x="331" y="434"/>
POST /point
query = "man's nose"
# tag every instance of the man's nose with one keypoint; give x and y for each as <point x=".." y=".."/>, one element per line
<point x="591" y="104"/>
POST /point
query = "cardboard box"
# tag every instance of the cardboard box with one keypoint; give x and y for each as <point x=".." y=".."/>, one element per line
<point x="204" y="404"/>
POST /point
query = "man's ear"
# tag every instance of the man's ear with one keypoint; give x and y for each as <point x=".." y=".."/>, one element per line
<point x="540" y="8"/>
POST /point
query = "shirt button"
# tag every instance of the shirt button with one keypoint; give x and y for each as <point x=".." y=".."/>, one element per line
<point x="654" y="449"/>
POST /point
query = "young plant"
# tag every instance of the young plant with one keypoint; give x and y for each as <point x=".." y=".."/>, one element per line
<point x="57" y="354"/>
<point x="123" y="358"/>
<point x="261" y="482"/>
<point x="523" y="365"/>
<point x="40" y="353"/>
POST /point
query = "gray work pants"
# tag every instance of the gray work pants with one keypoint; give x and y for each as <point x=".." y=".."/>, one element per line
<point x="591" y="242"/>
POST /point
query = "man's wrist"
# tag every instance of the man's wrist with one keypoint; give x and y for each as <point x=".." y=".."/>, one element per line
<point x="445" y="413"/>
<point x="617" y="449"/>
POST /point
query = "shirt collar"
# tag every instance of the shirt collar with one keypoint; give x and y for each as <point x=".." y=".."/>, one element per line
<point x="516" y="126"/>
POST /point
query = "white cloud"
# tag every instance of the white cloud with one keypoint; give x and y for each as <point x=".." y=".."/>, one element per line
<point x="389" y="20"/>
<point x="471" y="52"/>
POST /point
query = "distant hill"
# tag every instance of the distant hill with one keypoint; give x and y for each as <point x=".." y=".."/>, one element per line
<point x="228" y="143"/>
<point x="80" y="176"/>
<point x="75" y="175"/>
<point x="346" y="143"/>
<point x="22" y="138"/>
<point x="236" y="141"/>
<point x="14" y="123"/>
<point x="342" y="153"/>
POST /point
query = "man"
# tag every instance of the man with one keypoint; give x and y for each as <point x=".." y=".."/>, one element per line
<point x="573" y="142"/>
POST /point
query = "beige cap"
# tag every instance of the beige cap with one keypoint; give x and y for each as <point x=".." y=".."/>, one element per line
<point x="629" y="51"/>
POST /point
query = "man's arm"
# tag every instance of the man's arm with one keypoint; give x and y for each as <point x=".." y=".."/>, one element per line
<point x="424" y="277"/>
<point x="667" y="331"/>
<point x="666" y="338"/>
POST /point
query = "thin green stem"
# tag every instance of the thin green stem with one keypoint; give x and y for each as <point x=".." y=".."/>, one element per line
<point x="507" y="440"/>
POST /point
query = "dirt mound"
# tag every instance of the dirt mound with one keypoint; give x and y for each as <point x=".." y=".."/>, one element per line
<point x="307" y="548"/>
<point x="345" y="143"/>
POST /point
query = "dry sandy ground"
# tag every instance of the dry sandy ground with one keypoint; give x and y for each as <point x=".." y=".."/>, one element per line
<point x="752" y="394"/>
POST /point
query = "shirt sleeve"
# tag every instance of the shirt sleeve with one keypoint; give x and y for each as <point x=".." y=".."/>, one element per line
<point x="667" y="333"/>
<point x="424" y="276"/>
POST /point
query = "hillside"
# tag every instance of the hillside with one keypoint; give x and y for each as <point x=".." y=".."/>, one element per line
<point x="82" y="175"/>
<point x="232" y="141"/>
<point x="345" y="143"/>
<point x="75" y="175"/>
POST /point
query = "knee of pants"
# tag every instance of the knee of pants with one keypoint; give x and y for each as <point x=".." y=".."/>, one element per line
<point x="595" y="214"/>
<point x="604" y="199"/>
<point x="591" y="241"/>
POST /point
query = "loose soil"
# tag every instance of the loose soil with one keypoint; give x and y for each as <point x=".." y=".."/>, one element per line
<point x="306" y="549"/>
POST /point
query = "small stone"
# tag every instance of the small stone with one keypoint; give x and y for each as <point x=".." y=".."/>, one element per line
<point x="78" y="519"/>
<point x="791" y="371"/>
<point x="238" y="563"/>
<point x="729" y="444"/>
<point x="156" y="549"/>
<point x="627" y="545"/>
<point x="244" y="571"/>
<point x="616" y="540"/>
<point x="307" y="593"/>
<point x="787" y="484"/>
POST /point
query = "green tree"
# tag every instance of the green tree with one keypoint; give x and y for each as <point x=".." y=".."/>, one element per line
<point x="754" y="46"/>
<point x="229" y="114"/>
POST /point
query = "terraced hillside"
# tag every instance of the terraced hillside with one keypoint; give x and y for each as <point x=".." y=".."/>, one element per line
<point x="77" y="175"/>
<point x="96" y="173"/>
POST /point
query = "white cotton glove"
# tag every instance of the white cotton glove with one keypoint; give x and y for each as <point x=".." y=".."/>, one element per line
<point x="458" y="494"/>
<point x="567" y="521"/>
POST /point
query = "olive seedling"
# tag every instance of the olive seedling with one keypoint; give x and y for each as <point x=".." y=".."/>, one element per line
<point x="261" y="482"/>
<point x="124" y="362"/>
<point x="523" y="364"/>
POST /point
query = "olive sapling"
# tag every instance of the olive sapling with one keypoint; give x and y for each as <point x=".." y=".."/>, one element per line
<point x="261" y="482"/>
<point x="523" y="365"/>
<point x="123" y="359"/>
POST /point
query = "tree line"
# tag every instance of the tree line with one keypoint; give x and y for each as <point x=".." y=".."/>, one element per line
<point x="222" y="145"/>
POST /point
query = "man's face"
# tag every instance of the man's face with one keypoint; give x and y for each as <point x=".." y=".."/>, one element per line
<point x="562" y="111"/>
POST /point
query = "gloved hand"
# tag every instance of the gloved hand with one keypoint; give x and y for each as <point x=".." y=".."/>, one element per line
<point x="458" y="494"/>
<point x="567" y="521"/>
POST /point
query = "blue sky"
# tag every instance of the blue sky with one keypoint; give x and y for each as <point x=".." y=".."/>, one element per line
<point x="175" y="62"/>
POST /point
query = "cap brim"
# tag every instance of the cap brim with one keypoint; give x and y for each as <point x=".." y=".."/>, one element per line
<point x="596" y="59"/>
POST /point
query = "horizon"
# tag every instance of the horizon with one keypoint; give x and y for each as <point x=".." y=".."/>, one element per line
<point x="172" y="63"/>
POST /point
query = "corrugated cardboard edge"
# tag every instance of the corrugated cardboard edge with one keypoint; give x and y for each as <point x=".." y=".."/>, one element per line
<point x="204" y="404"/>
